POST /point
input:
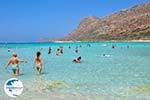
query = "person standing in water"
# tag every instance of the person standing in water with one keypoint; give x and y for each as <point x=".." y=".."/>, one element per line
<point x="49" y="50"/>
<point x="76" y="50"/>
<point x="61" y="50"/>
<point x="58" y="52"/>
<point x="38" y="63"/>
<point x="14" y="62"/>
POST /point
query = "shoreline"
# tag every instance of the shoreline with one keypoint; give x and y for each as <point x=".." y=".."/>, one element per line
<point x="98" y="41"/>
<point x="74" y="41"/>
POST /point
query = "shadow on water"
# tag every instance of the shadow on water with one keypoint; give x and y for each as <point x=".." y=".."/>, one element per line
<point x="21" y="74"/>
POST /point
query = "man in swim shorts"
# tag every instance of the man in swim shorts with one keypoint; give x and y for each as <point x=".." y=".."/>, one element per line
<point x="13" y="62"/>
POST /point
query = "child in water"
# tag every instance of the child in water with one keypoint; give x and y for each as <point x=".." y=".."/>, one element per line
<point x="38" y="63"/>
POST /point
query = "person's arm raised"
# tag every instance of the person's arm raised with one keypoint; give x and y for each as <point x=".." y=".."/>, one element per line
<point x="20" y="60"/>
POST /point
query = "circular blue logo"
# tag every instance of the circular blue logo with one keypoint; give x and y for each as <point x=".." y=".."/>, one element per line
<point x="13" y="87"/>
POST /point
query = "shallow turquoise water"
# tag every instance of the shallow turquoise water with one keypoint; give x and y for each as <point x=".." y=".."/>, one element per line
<point x="123" y="75"/>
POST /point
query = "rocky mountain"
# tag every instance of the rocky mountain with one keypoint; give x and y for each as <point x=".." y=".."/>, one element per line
<point x="129" y="24"/>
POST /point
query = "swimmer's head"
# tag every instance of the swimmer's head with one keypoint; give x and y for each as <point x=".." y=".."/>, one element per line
<point x="38" y="54"/>
<point x="14" y="55"/>
<point x="79" y="58"/>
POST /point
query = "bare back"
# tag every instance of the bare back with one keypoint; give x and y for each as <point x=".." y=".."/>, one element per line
<point x="38" y="60"/>
<point x="13" y="61"/>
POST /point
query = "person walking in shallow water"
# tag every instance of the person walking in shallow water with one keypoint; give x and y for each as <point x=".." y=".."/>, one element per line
<point x="49" y="50"/>
<point x="14" y="62"/>
<point x="38" y="63"/>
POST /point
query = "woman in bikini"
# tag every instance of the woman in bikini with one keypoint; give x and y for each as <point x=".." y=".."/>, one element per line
<point x="38" y="63"/>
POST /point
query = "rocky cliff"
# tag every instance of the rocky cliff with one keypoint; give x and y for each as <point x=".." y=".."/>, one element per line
<point x="129" y="24"/>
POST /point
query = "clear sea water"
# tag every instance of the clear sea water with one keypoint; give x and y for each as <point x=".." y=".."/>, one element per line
<point x="123" y="74"/>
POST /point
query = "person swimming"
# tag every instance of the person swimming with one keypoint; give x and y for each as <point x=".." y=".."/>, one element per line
<point x="104" y="55"/>
<point x="78" y="60"/>
<point x="14" y="62"/>
<point x="113" y="46"/>
<point x="38" y="63"/>
<point x="88" y="45"/>
<point x="76" y="51"/>
<point x="8" y="50"/>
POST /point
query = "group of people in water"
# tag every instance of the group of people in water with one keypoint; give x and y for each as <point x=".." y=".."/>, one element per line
<point x="59" y="51"/>
<point x="14" y="63"/>
<point x="38" y="62"/>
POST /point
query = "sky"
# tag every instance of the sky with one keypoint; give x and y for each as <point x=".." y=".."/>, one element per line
<point x="29" y="20"/>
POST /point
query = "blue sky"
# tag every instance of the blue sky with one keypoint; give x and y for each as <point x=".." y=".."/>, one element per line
<point x="28" y="20"/>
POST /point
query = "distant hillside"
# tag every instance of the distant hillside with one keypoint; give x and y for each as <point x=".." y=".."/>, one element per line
<point x="130" y="24"/>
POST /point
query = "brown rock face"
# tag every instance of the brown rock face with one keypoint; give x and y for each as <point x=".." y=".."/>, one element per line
<point x="133" y="23"/>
